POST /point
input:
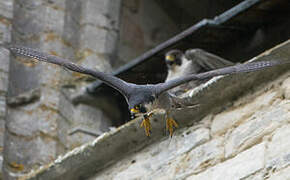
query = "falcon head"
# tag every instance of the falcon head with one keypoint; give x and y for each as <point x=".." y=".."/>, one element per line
<point x="173" y="58"/>
<point x="141" y="100"/>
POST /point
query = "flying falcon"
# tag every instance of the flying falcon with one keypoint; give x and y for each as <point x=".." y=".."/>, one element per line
<point x="144" y="99"/>
<point x="193" y="61"/>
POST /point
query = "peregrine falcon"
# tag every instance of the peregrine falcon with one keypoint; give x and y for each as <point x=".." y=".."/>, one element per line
<point x="193" y="61"/>
<point x="144" y="99"/>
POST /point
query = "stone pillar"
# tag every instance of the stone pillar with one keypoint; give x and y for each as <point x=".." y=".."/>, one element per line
<point x="31" y="137"/>
<point x="96" y="43"/>
<point x="6" y="11"/>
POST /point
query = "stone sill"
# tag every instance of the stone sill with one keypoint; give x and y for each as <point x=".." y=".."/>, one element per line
<point x="213" y="96"/>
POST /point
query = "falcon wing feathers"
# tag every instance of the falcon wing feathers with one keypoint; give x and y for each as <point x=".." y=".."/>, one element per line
<point x="240" y="68"/>
<point x="110" y="80"/>
<point x="207" y="60"/>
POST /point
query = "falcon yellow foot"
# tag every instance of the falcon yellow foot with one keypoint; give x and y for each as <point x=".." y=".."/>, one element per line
<point x="170" y="125"/>
<point x="147" y="125"/>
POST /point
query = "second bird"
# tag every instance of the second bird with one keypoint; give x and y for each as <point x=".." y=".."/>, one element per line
<point x="193" y="61"/>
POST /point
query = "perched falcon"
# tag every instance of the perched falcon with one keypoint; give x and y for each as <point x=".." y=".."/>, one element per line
<point x="144" y="99"/>
<point x="193" y="61"/>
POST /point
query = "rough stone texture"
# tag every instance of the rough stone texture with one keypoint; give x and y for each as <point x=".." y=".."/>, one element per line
<point x="281" y="175"/>
<point x="86" y="127"/>
<point x="285" y="88"/>
<point x="234" y="116"/>
<point x="140" y="30"/>
<point x="278" y="151"/>
<point x="3" y="81"/>
<point x="6" y="9"/>
<point x="84" y="31"/>
<point x="241" y="166"/>
<point x="31" y="138"/>
<point x="196" y="160"/>
<point x="2" y="107"/>
<point x="4" y="63"/>
<point x="92" y="30"/>
<point x="160" y="158"/>
<point x="97" y="37"/>
<point x="259" y="124"/>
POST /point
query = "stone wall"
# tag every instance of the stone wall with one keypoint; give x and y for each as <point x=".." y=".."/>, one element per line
<point x="144" y="25"/>
<point x="31" y="137"/>
<point x="43" y="122"/>
<point x="6" y="14"/>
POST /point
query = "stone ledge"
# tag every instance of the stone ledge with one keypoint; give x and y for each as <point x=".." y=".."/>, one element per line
<point x="90" y="158"/>
<point x="235" y="168"/>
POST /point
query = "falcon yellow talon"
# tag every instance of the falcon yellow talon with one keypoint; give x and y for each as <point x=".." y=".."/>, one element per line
<point x="147" y="126"/>
<point x="170" y="125"/>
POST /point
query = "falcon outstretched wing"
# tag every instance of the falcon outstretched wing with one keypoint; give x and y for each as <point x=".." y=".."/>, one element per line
<point x="206" y="60"/>
<point x="116" y="83"/>
<point x="240" y="68"/>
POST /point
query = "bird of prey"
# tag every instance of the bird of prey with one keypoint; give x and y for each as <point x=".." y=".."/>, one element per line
<point x="143" y="99"/>
<point x="193" y="61"/>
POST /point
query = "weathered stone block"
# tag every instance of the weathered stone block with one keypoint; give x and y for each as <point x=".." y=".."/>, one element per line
<point x="5" y="28"/>
<point x="66" y="108"/>
<point x="39" y="17"/>
<point x="92" y="118"/>
<point x="140" y="30"/>
<point x="56" y="4"/>
<point x="91" y="34"/>
<point x="198" y="159"/>
<point x="190" y="139"/>
<point x="4" y="59"/>
<point x="257" y="176"/>
<point x="32" y="119"/>
<point x="278" y="152"/>
<point x="161" y="157"/>
<point x="6" y="8"/>
<point x="40" y="150"/>
<point x="3" y="81"/>
<point x="102" y="14"/>
<point x="50" y="96"/>
<point x="2" y="131"/>
<point x="225" y="120"/>
<point x="2" y="107"/>
<point x="286" y="88"/>
<point x="241" y="166"/>
<point x="54" y="19"/>
<point x="258" y="125"/>
<point x="281" y="175"/>
<point x="100" y="63"/>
